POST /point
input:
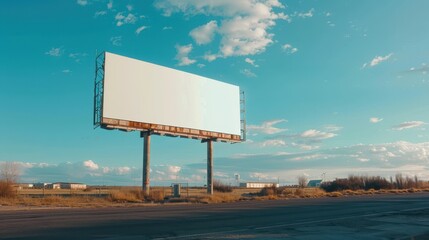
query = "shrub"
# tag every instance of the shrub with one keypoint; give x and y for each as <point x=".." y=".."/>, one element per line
<point x="267" y="191"/>
<point x="137" y="192"/>
<point x="221" y="187"/>
<point x="334" y="194"/>
<point x="286" y="192"/>
<point x="156" y="196"/>
<point x="270" y="191"/>
<point x="355" y="183"/>
<point x="7" y="190"/>
<point x="125" y="196"/>
<point x="299" y="192"/>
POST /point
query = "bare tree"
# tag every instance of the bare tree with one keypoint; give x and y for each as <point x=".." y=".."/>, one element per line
<point x="302" y="181"/>
<point x="399" y="181"/>
<point x="10" y="171"/>
<point x="416" y="182"/>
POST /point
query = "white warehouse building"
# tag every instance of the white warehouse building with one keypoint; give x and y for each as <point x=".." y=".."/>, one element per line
<point x="66" y="185"/>
<point x="258" y="184"/>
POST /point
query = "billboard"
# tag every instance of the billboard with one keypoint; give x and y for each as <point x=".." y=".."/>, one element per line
<point x="135" y="95"/>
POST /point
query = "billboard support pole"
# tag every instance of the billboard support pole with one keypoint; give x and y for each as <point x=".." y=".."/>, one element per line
<point x="146" y="162"/>
<point x="210" y="166"/>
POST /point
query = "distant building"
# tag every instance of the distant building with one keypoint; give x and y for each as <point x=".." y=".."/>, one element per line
<point x="314" y="183"/>
<point x="41" y="185"/>
<point x="53" y="186"/>
<point x="258" y="184"/>
<point x="60" y="185"/>
<point x="75" y="186"/>
<point x="25" y="185"/>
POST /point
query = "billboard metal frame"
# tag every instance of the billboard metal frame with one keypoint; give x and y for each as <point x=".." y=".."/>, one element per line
<point x="98" y="89"/>
<point x="148" y="129"/>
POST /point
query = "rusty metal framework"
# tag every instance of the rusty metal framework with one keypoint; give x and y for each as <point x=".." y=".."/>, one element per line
<point x="243" y="116"/>
<point x="98" y="89"/>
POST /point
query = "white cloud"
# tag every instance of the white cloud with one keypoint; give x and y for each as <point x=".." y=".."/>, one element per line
<point x="130" y="7"/>
<point x="310" y="139"/>
<point x="376" y="160"/>
<point x="210" y="57"/>
<point x="423" y="69"/>
<point x="251" y="62"/>
<point x="88" y="172"/>
<point x="174" y="169"/>
<point x="268" y="127"/>
<point x="307" y="157"/>
<point x="91" y="165"/>
<point x="260" y="176"/>
<point x="123" y="170"/>
<point x="138" y="30"/>
<point x="66" y="71"/>
<point x="332" y="128"/>
<point x="305" y="147"/>
<point x="100" y="13"/>
<point x="316" y="135"/>
<point x="77" y="56"/>
<point x="289" y="48"/>
<point x="82" y="2"/>
<point x="183" y="55"/>
<point x="248" y="73"/>
<point x="106" y="170"/>
<point x="116" y="41"/>
<point x="363" y="159"/>
<point x="377" y="60"/>
<point x="110" y="4"/>
<point x="308" y="14"/>
<point x="244" y="27"/>
<point x="408" y="125"/>
<point x="273" y="143"/>
<point x="375" y="120"/>
<point x="55" y="52"/>
<point x="167" y="28"/>
<point x="204" y="34"/>
<point x="200" y="65"/>
<point x="121" y="19"/>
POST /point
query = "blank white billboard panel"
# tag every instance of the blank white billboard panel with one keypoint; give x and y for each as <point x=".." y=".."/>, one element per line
<point x="143" y="92"/>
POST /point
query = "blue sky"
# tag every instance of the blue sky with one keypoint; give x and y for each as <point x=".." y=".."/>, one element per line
<point x="335" y="87"/>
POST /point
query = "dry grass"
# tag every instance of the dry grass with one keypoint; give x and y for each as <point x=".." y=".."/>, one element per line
<point x="156" y="196"/>
<point x="126" y="196"/>
<point x="317" y="193"/>
<point x="7" y="190"/>
<point x="283" y="192"/>
<point x="219" y="186"/>
<point x="334" y="194"/>
<point x="218" y="198"/>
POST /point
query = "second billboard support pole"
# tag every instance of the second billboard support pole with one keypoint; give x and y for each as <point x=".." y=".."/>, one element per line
<point x="146" y="162"/>
<point x="210" y="166"/>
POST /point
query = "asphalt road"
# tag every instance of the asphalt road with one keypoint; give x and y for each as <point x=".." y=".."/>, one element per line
<point x="365" y="217"/>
